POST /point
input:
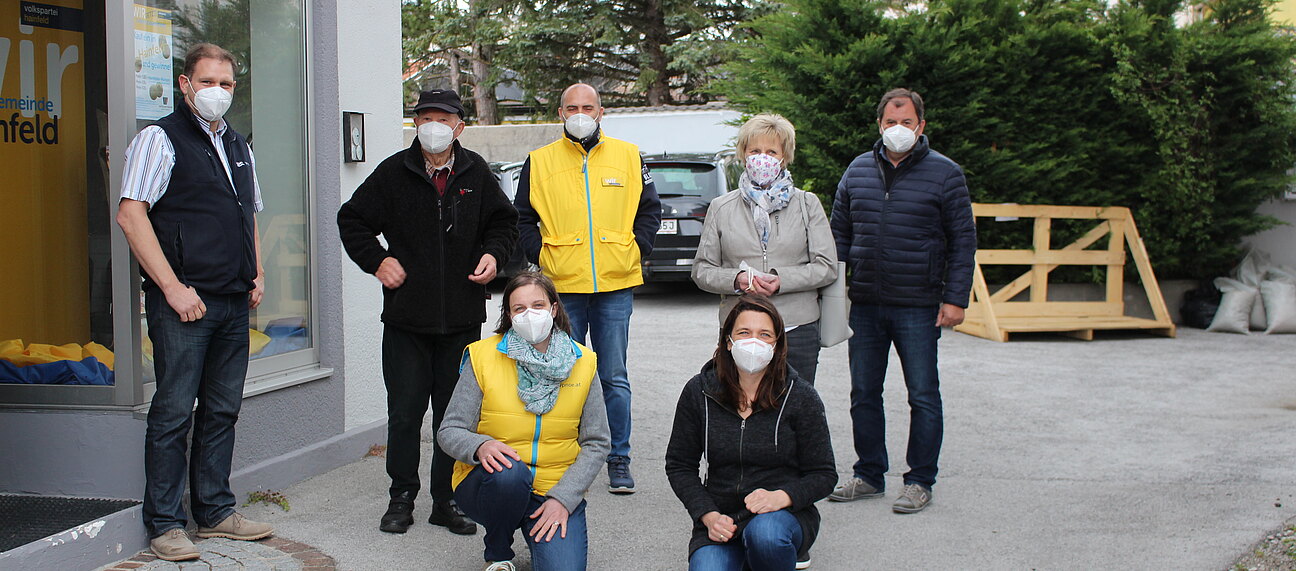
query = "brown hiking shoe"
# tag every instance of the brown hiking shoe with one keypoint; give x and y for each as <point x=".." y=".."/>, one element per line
<point x="237" y="527"/>
<point x="174" y="545"/>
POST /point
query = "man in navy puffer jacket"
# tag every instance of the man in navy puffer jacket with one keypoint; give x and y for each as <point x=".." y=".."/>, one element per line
<point x="903" y="224"/>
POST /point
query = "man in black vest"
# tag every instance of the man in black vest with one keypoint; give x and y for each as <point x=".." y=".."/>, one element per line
<point x="189" y="198"/>
<point x="448" y="226"/>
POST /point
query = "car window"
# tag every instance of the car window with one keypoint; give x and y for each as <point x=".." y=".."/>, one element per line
<point x="675" y="180"/>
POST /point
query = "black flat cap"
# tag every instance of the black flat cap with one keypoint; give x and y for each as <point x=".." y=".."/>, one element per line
<point x="441" y="100"/>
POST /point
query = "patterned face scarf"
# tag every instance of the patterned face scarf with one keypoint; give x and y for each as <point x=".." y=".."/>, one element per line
<point x="540" y="374"/>
<point x="767" y="198"/>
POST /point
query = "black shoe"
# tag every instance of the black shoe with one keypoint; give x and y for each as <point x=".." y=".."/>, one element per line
<point x="400" y="514"/>
<point x="448" y="514"/>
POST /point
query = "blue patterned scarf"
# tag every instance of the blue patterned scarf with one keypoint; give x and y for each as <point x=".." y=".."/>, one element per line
<point x="763" y="201"/>
<point x="540" y="374"/>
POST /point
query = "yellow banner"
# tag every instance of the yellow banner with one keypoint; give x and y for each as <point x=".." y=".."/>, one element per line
<point x="44" y="268"/>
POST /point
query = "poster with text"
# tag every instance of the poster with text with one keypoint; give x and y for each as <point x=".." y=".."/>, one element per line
<point x="44" y="277"/>
<point x="153" y="80"/>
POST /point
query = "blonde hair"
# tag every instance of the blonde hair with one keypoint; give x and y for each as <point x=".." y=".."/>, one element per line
<point x="768" y="124"/>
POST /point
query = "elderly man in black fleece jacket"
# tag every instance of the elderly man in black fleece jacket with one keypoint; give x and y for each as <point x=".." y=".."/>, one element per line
<point x="448" y="226"/>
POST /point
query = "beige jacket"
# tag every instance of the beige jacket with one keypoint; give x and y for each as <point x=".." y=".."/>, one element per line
<point x="805" y="259"/>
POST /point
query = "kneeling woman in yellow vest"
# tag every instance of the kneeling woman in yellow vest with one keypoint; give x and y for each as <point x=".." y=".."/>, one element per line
<point x="528" y="428"/>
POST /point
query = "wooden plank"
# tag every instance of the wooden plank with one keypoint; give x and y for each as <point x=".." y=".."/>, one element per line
<point x="1081" y="334"/>
<point x="1020" y="284"/>
<point x="982" y="210"/>
<point x="1116" y="272"/>
<point x="1144" y="265"/>
<point x="1039" y="271"/>
<point x="1054" y="257"/>
<point x="1051" y="309"/>
<point x="982" y="293"/>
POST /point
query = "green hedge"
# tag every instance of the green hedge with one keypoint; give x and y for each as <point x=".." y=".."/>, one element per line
<point x="1045" y="102"/>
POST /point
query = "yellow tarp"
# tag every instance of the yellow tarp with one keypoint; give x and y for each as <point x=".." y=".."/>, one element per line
<point x="15" y="352"/>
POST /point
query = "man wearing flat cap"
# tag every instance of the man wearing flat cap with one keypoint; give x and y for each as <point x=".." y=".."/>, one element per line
<point x="447" y="227"/>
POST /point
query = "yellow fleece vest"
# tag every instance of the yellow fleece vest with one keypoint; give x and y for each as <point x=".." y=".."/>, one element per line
<point x="587" y="205"/>
<point x="548" y="443"/>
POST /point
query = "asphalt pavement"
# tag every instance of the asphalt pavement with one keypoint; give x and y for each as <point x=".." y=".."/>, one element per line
<point x="1126" y="452"/>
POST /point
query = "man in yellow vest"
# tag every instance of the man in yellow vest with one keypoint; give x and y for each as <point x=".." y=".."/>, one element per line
<point x="587" y="214"/>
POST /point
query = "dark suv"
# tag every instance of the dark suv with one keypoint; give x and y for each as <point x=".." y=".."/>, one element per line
<point x="686" y="185"/>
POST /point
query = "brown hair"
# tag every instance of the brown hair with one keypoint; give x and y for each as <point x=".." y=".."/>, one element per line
<point x="561" y="321"/>
<point x="206" y="51"/>
<point x="775" y="377"/>
<point x="898" y="93"/>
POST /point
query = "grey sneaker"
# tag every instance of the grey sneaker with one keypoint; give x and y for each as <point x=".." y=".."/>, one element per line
<point x="237" y="527"/>
<point x="499" y="566"/>
<point x="174" y="545"/>
<point x="912" y="499"/>
<point x="854" y="489"/>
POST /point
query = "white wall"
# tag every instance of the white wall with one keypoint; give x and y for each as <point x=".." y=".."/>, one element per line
<point x="1280" y="242"/>
<point x="674" y="131"/>
<point x="369" y="71"/>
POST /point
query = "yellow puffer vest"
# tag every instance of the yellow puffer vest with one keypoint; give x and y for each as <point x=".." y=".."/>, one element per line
<point x="547" y="443"/>
<point x="587" y="205"/>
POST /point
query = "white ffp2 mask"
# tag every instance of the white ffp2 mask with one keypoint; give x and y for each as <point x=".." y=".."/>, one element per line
<point x="211" y="103"/>
<point x="534" y="325"/>
<point x="580" y="125"/>
<point x="899" y="139"/>
<point x="751" y="355"/>
<point x="435" y="136"/>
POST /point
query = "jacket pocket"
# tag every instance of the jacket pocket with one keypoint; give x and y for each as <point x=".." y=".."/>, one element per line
<point x="564" y="256"/>
<point x="618" y="253"/>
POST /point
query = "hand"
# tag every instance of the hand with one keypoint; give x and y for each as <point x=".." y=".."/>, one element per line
<point x="742" y="280"/>
<point x="950" y="315"/>
<point x="768" y="287"/>
<point x="494" y="456"/>
<point x="485" y="271"/>
<point x="185" y="301"/>
<point x="258" y="291"/>
<point x="764" y="501"/>
<point x="720" y="528"/>
<point x="552" y="515"/>
<point x="390" y="273"/>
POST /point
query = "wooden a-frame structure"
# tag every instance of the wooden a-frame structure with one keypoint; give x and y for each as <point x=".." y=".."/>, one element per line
<point x="994" y="317"/>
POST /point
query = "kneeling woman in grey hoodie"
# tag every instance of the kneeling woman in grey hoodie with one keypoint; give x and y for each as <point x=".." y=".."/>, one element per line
<point x="758" y="436"/>
<point x="528" y="428"/>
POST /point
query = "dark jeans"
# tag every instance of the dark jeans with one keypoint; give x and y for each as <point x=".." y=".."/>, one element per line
<point x="606" y="317"/>
<point x="913" y="331"/>
<point x="204" y="360"/>
<point x="769" y="543"/>
<point x="502" y="502"/>
<point x="419" y="368"/>
<point x="803" y="350"/>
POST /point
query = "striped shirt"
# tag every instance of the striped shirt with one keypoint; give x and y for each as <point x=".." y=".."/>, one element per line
<point x="149" y="160"/>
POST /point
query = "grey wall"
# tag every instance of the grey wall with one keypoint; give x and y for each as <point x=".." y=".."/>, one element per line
<point x="70" y="453"/>
<point x="1280" y="242"/>
<point x="507" y="143"/>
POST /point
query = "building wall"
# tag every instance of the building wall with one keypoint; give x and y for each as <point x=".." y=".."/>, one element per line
<point x="1278" y="242"/>
<point x="368" y="41"/>
<point x="1285" y="12"/>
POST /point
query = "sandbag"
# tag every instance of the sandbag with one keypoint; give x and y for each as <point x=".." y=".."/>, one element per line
<point x="1234" y="314"/>
<point x="1280" y="303"/>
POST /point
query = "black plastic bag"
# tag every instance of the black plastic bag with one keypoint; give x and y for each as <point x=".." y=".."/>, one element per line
<point x="1199" y="305"/>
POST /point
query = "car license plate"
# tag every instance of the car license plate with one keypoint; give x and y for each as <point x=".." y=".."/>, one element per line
<point x="669" y="226"/>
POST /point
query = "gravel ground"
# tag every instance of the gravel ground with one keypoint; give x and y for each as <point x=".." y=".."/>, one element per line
<point x="1276" y="552"/>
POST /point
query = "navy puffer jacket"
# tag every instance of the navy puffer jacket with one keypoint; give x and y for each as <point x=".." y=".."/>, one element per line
<point x="907" y="233"/>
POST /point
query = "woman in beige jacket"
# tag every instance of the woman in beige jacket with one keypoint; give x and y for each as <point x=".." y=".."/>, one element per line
<point x="768" y="237"/>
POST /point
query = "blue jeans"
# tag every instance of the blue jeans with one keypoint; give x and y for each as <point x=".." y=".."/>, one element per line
<point x="914" y="332"/>
<point x="606" y="317"/>
<point x="204" y="360"/>
<point x="502" y="502"/>
<point x="769" y="543"/>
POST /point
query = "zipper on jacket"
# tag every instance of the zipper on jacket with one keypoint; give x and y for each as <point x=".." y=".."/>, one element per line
<point x="742" y="429"/>
<point x="589" y="214"/>
<point x="441" y="259"/>
<point x="535" y="447"/>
